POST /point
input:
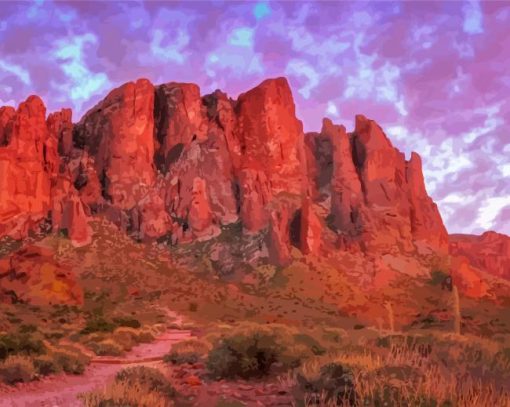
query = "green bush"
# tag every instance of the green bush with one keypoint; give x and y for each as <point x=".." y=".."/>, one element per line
<point x="46" y="365"/>
<point x="71" y="362"/>
<point x="437" y="277"/>
<point x="98" y="324"/>
<point x="146" y="377"/>
<point x="22" y="343"/>
<point x="17" y="368"/>
<point x="127" y="322"/>
<point x="249" y="351"/>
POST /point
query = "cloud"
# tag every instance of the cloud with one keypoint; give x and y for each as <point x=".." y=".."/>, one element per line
<point x="473" y="18"/>
<point x="82" y="82"/>
<point x="332" y="110"/>
<point x="22" y="74"/>
<point x="491" y="122"/>
<point x="174" y="51"/>
<point x="302" y="69"/>
<point x="490" y="209"/>
<point x="261" y="10"/>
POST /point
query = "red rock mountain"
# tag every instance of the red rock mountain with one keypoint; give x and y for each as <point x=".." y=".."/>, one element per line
<point x="489" y="252"/>
<point x="164" y="162"/>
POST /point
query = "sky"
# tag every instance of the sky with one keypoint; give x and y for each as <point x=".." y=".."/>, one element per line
<point x="434" y="75"/>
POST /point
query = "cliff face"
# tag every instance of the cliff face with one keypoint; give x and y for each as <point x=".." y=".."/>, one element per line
<point x="164" y="161"/>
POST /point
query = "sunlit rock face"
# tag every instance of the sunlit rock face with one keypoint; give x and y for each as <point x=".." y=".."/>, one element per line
<point x="166" y="162"/>
<point x="119" y="134"/>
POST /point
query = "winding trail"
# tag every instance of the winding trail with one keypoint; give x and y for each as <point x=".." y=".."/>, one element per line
<point x="62" y="390"/>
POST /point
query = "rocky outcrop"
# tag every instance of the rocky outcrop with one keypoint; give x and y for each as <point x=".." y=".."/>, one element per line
<point x="25" y="168"/>
<point x="68" y="211"/>
<point x="180" y="118"/>
<point x="468" y="279"/>
<point x="310" y="229"/>
<point x="426" y="223"/>
<point x="346" y="193"/>
<point x="378" y="200"/>
<point x="60" y="126"/>
<point x="489" y="252"/>
<point x="119" y="134"/>
<point x="33" y="276"/>
<point x="271" y="136"/>
<point x="201" y="218"/>
<point x="319" y="160"/>
<point x="279" y="237"/>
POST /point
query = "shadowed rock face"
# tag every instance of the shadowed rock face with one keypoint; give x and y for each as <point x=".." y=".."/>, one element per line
<point x="165" y="161"/>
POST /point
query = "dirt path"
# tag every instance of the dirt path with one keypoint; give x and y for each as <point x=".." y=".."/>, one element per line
<point x="61" y="390"/>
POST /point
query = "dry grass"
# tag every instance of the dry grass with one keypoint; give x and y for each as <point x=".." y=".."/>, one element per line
<point x="125" y="394"/>
<point x="447" y="374"/>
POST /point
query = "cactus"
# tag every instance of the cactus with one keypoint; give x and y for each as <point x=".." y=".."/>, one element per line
<point x="391" y="318"/>
<point x="456" y="310"/>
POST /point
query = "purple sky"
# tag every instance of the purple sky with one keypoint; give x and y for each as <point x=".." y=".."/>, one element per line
<point x="435" y="75"/>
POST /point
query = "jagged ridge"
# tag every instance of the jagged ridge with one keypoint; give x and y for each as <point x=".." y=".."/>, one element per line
<point x="165" y="161"/>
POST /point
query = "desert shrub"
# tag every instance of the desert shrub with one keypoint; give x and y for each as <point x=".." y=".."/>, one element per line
<point x="70" y="362"/>
<point x="145" y="336"/>
<point x="250" y="349"/>
<point x="46" y="365"/>
<point x="122" y="394"/>
<point x="23" y="343"/>
<point x="336" y="335"/>
<point x="108" y="347"/>
<point x="27" y="328"/>
<point x="125" y="337"/>
<point x="331" y="381"/>
<point x="190" y="351"/>
<point x="437" y="277"/>
<point x="17" y="368"/>
<point x="247" y="354"/>
<point x="127" y="322"/>
<point x="147" y="377"/>
<point x="310" y="342"/>
<point x="98" y="324"/>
